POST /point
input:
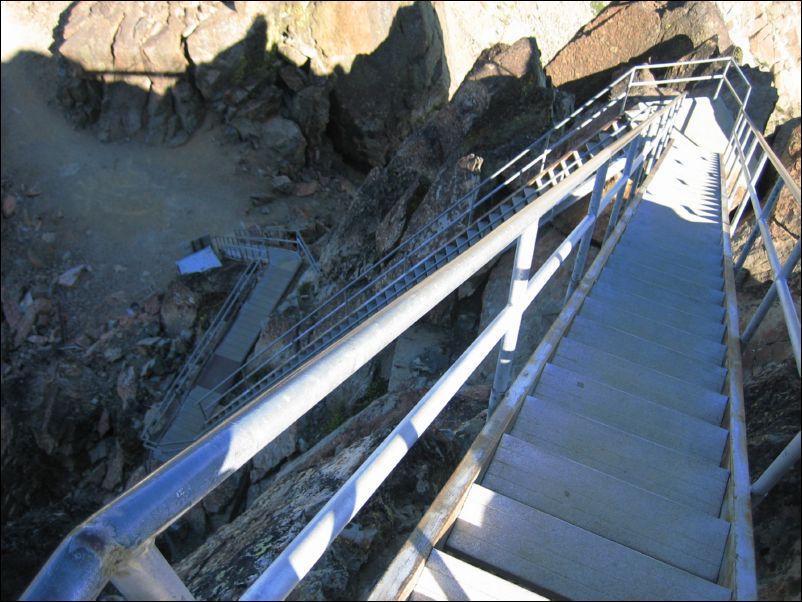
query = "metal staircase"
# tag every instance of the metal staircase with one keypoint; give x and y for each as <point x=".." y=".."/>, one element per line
<point x="613" y="466"/>
<point x="193" y="394"/>
<point x="434" y="246"/>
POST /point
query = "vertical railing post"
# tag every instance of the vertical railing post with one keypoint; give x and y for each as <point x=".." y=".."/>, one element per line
<point x="626" y="95"/>
<point x="788" y="457"/>
<point x="721" y="81"/>
<point x="584" y="246"/>
<point x="766" y="213"/>
<point x="524" y="254"/>
<point x="744" y="168"/>
<point x="745" y="196"/>
<point x="769" y="298"/>
<point x="731" y="155"/>
<point x="632" y="152"/>
<point x="148" y="576"/>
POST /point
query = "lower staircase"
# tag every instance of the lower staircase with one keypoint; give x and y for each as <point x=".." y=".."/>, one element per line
<point x="609" y="485"/>
<point x="226" y="360"/>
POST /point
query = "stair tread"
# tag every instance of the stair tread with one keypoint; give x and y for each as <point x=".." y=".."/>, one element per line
<point x="640" y="380"/>
<point x="653" y="309"/>
<point x="685" y="479"/>
<point x="609" y="507"/>
<point x="445" y="577"/>
<point x="567" y="560"/>
<point x="625" y="287"/>
<point x="647" y="419"/>
<point x="655" y="251"/>
<point x="647" y="353"/>
<point x="637" y="262"/>
<point x="682" y="341"/>
<point x="681" y="285"/>
<point x="704" y="302"/>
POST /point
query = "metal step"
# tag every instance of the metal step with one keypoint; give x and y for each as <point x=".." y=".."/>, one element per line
<point x="625" y="286"/>
<point x="445" y="577"/>
<point x="647" y="353"/>
<point x="609" y="507"/>
<point x="656" y="249"/>
<point x="681" y="341"/>
<point x="641" y="381"/>
<point x="567" y="560"/>
<point x="687" y="252"/>
<point x="661" y="313"/>
<point x="679" y="282"/>
<point x="636" y="415"/>
<point x="637" y="263"/>
<point x="685" y="479"/>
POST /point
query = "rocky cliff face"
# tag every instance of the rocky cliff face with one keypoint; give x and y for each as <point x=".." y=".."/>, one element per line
<point x="369" y="72"/>
<point x="768" y="35"/>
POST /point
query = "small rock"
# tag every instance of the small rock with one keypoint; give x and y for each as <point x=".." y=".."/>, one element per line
<point x="49" y="237"/>
<point x="104" y="424"/>
<point x="292" y="77"/>
<point x="149" y="342"/>
<point x="9" y="205"/>
<point x="127" y="384"/>
<point x="306" y="188"/>
<point x="260" y="198"/>
<point x="27" y="301"/>
<point x="152" y="304"/>
<point x="282" y="184"/>
<point x="11" y="310"/>
<point x="29" y="319"/>
<point x="114" y="472"/>
<point x="152" y="366"/>
<point x="70" y="277"/>
<point x="31" y="191"/>
<point x="100" y="451"/>
<point x="113" y="354"/>
<point x="179" y="309"/>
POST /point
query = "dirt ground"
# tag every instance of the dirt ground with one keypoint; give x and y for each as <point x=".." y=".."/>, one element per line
<point x="126" y="209"/>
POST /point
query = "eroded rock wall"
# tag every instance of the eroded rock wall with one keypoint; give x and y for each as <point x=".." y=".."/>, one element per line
<point x="366" y="73"/>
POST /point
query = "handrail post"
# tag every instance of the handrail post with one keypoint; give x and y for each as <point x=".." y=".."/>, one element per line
<point x="524" y="255"/>
<point x="626" y="95"/>
<point x="593" y="209"/>
<point x="633" y="149"/>
<point x="770" y="296"/>
<point x="784" y="462"/>
<point x="148" y="576"/>
<point x="721" y="81"/>
<point x="767" y="208"/>
<point x="745" y="197"/>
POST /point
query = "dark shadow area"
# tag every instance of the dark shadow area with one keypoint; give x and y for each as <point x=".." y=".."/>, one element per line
<point x="367" y="123"/>
<point x="263" y="100"/>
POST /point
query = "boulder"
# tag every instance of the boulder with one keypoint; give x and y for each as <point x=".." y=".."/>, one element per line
<point x="368" y="120"/>
<point x="506" y="82"/>
<point x="631" y="33"/>
<point x="179" y="309"/>
<point x="124" y="68"/>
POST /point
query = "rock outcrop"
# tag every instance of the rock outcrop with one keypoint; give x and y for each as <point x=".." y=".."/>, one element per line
<point x="503" y="80"/>
<point x="768" y="35"/>
<point x="368" y="73"/>
<point x="631" y="33"/>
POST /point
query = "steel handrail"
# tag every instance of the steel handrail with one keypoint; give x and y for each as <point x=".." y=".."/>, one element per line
<point x="291" y="337"/>
<point x="103" y="544"/>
